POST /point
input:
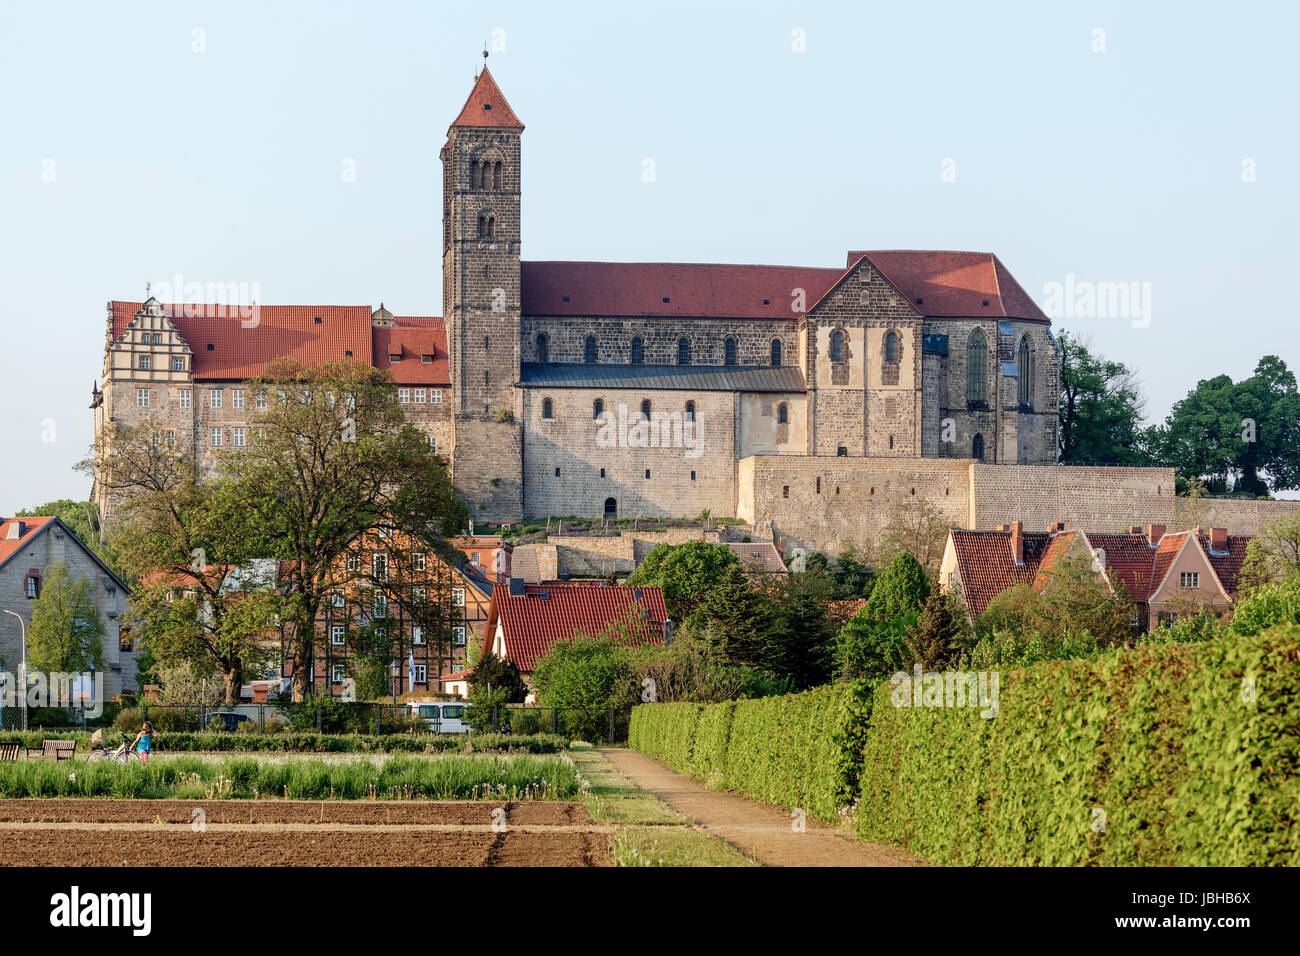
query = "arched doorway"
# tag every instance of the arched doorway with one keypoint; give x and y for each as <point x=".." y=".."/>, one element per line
<point x="977" y="448"/>
<point x="611" y="509"/>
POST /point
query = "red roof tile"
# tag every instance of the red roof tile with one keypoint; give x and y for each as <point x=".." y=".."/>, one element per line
<point x="1129" y="559"/>
<point x="985" y="565"/>
<point x="486" y="106"/>
<point x="413" y="338"/>
<point x="693" y="290"/>
<point x="764" y="553"/>
<point x="532" y="623"/>
<point x="954" y="284"/>
<point x="8" y="547"/>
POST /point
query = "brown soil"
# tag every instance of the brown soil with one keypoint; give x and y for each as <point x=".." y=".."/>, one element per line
<point x="297" y="833"/>
<point x="759" y="829"/>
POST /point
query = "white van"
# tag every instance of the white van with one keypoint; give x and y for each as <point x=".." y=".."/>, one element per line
<point x="443" y="718"/>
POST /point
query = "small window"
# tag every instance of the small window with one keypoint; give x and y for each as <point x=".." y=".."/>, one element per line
<point x="420" y="673"/>
<point x="645" y="408"/>
<point x="638" y="352"/>
<point x="214" y="437"/>
<point x="178" y="364"/>
<point x="458" y="636"/>
<point x="837" y="346"/>
<point x="690" y="412"/>
<point x="337" y="632"/>
<point x="261" y="400"/>
<point x="435" y="396"/>
<point x="496" y="175"/>
<point x="171" y="437"/>
<point x="142" y="397"/>
<point x="976" y="369"/>
<point x="419" y="396"/>
<point x="237" y="437"/>
<point x="776" y="352"/>
<point x="841" y="452"/>
<point x="214" y="397"/>
<point x="598" y="408"/>
<point x="783" y="414"/>
<point x="404" y="396"/>
<point x="419" y="561"/>
<point x="336" y="598"/>
<point x="125" y="640"/>
<point x="144" y="363"/>
<point x="338" y="673"/>
<point x="542" y="343"/>
<point x="417" y="634"/>
<point x="379" y="566"/>
<point x="977" y="448"/>
<point x="589" y="350"/>
<point x="729" y="357"/>
<point x="785" y="491"/>
<point x="33" y="587"/>
<point x="683" y="351"/>
<point x="647" y="472"/>
<point x="457" y="597"/>
<point x="1023" y="373"/>
<point x="236" y="398"/>
<point x="548" y="408"/>
<point x="692" y="476"/>
<point x="426" y="359"/>
<point x="891" y="348"/>
<point x="1189" y="579"/>
<point x="185" y="398"/>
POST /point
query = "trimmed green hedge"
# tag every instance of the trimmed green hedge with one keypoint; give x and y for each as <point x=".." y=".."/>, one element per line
<point x="1159" y="756"/>
<point x="311" y="743"/>
<point x="796" y="750"/>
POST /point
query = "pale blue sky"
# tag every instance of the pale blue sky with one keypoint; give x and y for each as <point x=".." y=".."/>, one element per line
<point x="225" y="165"/>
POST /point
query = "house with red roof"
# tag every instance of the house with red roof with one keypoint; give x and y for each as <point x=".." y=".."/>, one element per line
<point x="620" y="389"/>
<point x="1163" y="573"/>
<point x="525" y="621"/>
<point x="28" y="548"/>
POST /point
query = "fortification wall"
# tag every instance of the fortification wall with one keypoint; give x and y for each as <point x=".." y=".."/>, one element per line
<point x="1092" y="498"/>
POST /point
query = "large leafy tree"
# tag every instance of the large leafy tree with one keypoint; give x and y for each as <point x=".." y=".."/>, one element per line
<point x="1246" y="432"/>
<point x="902" y="589"/>
<point x="66" y="628"/>
<point x="1100" y="407"/>
<point x="332" y="457"/>
<point x="687" y="573"/>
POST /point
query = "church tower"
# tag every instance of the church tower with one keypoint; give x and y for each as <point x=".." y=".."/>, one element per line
<point x="480" y="299"/>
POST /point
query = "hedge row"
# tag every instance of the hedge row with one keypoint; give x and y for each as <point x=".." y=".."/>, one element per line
<point x="1168" y="755"/>
<point x="799" y="750"/>
<point x="184" y="742"/>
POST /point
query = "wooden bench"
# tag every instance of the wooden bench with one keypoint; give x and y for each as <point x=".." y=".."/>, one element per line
<point x="9" y="752"/>
<point x="53" y="750"/>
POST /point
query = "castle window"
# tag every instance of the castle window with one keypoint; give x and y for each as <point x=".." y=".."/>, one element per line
<point x="785" y="491"/>
<point x="837" y="346"/>
<point x="1023" y="372"/>
<point x="841" y="452"/>
<point x="977" y="372"/>
<point x="783" y="414"/>
<point x="404" y="396"/>
<point x="891" y="348"/>
<point x="645" y="408"/>
<point x="142" y="397"/>
<point x="496" y="175"/>
<point x="611" y="509"/>
<point x="638" y="352"/>
<point x="776" y="352"/>
<point x="598" y="408"/>
<point x="589" y="350"/>
<point x="541" y="348"/>
<point x="977" y="448"/>
<point x="730" y="350"/>
<point x="683" y="351"/>
<point x="487" y="226"/>
<point x="891" y="442"/>
<point x="647" y="472"/>
<point x="144" y="363"/>
<point x="178" y="364"/>
<point x="236" y="398"/>
<point x="214" y="398"/>
<point x="33" y="585"/>
<point x="690" y="412"/>
<point x="819" y="486"/>
<point x="185" y="399"/>
<point x="548" y="408"/>
<point x="214" y="437"/>
<point x="171" y="437"/>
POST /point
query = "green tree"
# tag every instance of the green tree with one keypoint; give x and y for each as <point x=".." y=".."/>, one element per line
<point x="871" y="649"/>
<point x="1072" y="599"/>
<point x="66" y="627"/>
<point x="1100" y="407"/>
<point x="736" y="619"/>
<point x="936" y="640"/>
<point x="586" y="678"/>
<point x="686" y="572"/>
<point x="803" y="634"/>
<point x="500" y="674"/>
<point x="917" y="528"/>
<point x="902" y="589"/>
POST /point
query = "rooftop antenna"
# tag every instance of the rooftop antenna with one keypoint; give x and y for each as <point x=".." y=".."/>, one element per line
<point x="147" y="287"/>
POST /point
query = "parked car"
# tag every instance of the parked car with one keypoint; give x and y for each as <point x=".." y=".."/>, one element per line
<point x="443" y="718"/>
<point x="230" y="719"/>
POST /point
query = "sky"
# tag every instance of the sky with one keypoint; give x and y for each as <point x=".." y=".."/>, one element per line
<point x="293" y="147"/>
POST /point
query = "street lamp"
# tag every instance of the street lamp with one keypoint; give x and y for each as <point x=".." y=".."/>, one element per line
<point x="22" y="670"/>
<point x="395" y="670"/>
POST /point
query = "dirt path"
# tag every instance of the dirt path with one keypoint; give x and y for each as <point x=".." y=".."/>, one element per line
<point x="759" y="829"/>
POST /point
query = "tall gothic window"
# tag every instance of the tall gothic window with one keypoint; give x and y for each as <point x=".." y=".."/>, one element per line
<point x="598" y="408"/>
<point x="589" y="350"/>
<point x="891" y="348"/>
<point x="548" y="408"/>
<point x="645" y="408"/>
<point x="730" y="357"/>
<point x="638" y="352"/>
<point x="776" y="352"/>
<point x="1023" y="374"/>
<point x="977" y="448"/>
<point x="541" y="348"/>
<point x="837" y="346"/>
<point x="783" y="414"/>
<point x="496" y="175"/>
<point x="683" y="351"/>
<point x="977" y="372"/>
<point x="690" y="412"/>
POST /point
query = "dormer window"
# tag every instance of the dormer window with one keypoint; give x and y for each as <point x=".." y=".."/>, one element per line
<point x="426" y="359"/>
<point x="395" y="357"/>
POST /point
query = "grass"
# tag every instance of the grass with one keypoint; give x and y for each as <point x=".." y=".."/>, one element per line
<point x="650" y="833"/>
<point x="398" y="777"/>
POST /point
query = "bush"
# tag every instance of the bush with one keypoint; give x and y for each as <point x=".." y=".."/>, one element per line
<point x="294" y="742"/>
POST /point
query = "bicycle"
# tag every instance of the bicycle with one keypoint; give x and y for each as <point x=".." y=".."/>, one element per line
<point x="124" y="753"/>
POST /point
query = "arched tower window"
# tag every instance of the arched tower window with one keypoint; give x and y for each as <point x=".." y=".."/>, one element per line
<point x="690" y="412"/>
<point x="1023" y="372"/>
<point x="891" y="348"/>
<point x="977" y="448"/>
<point x="638" y="352"/>
<point x="496" y="175"/>
<point x="683" y="351"/>
<point x="541" y="347"/>
<point x="487" y="226"/>
<point x="776" y="352"/>
<point x="837" y="346"/>
<point x="598" y="408"/>
<point x="589" y="350"/>
<point x="645" y="408"/>
<point x="783" y="414"/>
<point x="548" y="408"/>
<point x="730" y="357"/>
<point x="977" y="373"/>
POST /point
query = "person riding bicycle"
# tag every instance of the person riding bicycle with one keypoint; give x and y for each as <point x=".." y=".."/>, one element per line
<point x="143" y="742"/>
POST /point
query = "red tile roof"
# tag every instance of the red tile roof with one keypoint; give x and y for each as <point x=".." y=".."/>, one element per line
<point x="986" y="567"/>
<point x="413" y="338"/>
<point x="532" y="623"/>
<point x="949" y="285"/>
<point x="486" y="106"/>
<point x="693" y="290"/>
<point x="763" y="552"/>
<point x="8" y="547"/>
<point x="955" y="284"/>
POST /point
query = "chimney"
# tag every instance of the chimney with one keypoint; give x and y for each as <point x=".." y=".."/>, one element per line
<point x="16" y="529"/>
<point x="1135" y="529"/>
<point x="1219" y="540"/>
<point x="1154" y="533"/>
<point x="1017" y="542"/>
<point x="1059" y="526"/>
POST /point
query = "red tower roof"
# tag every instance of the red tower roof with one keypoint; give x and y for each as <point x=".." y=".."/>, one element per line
<point x="486" y="106"/>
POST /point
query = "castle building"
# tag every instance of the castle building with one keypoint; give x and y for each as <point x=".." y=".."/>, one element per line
<point x="623" y="389"/>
